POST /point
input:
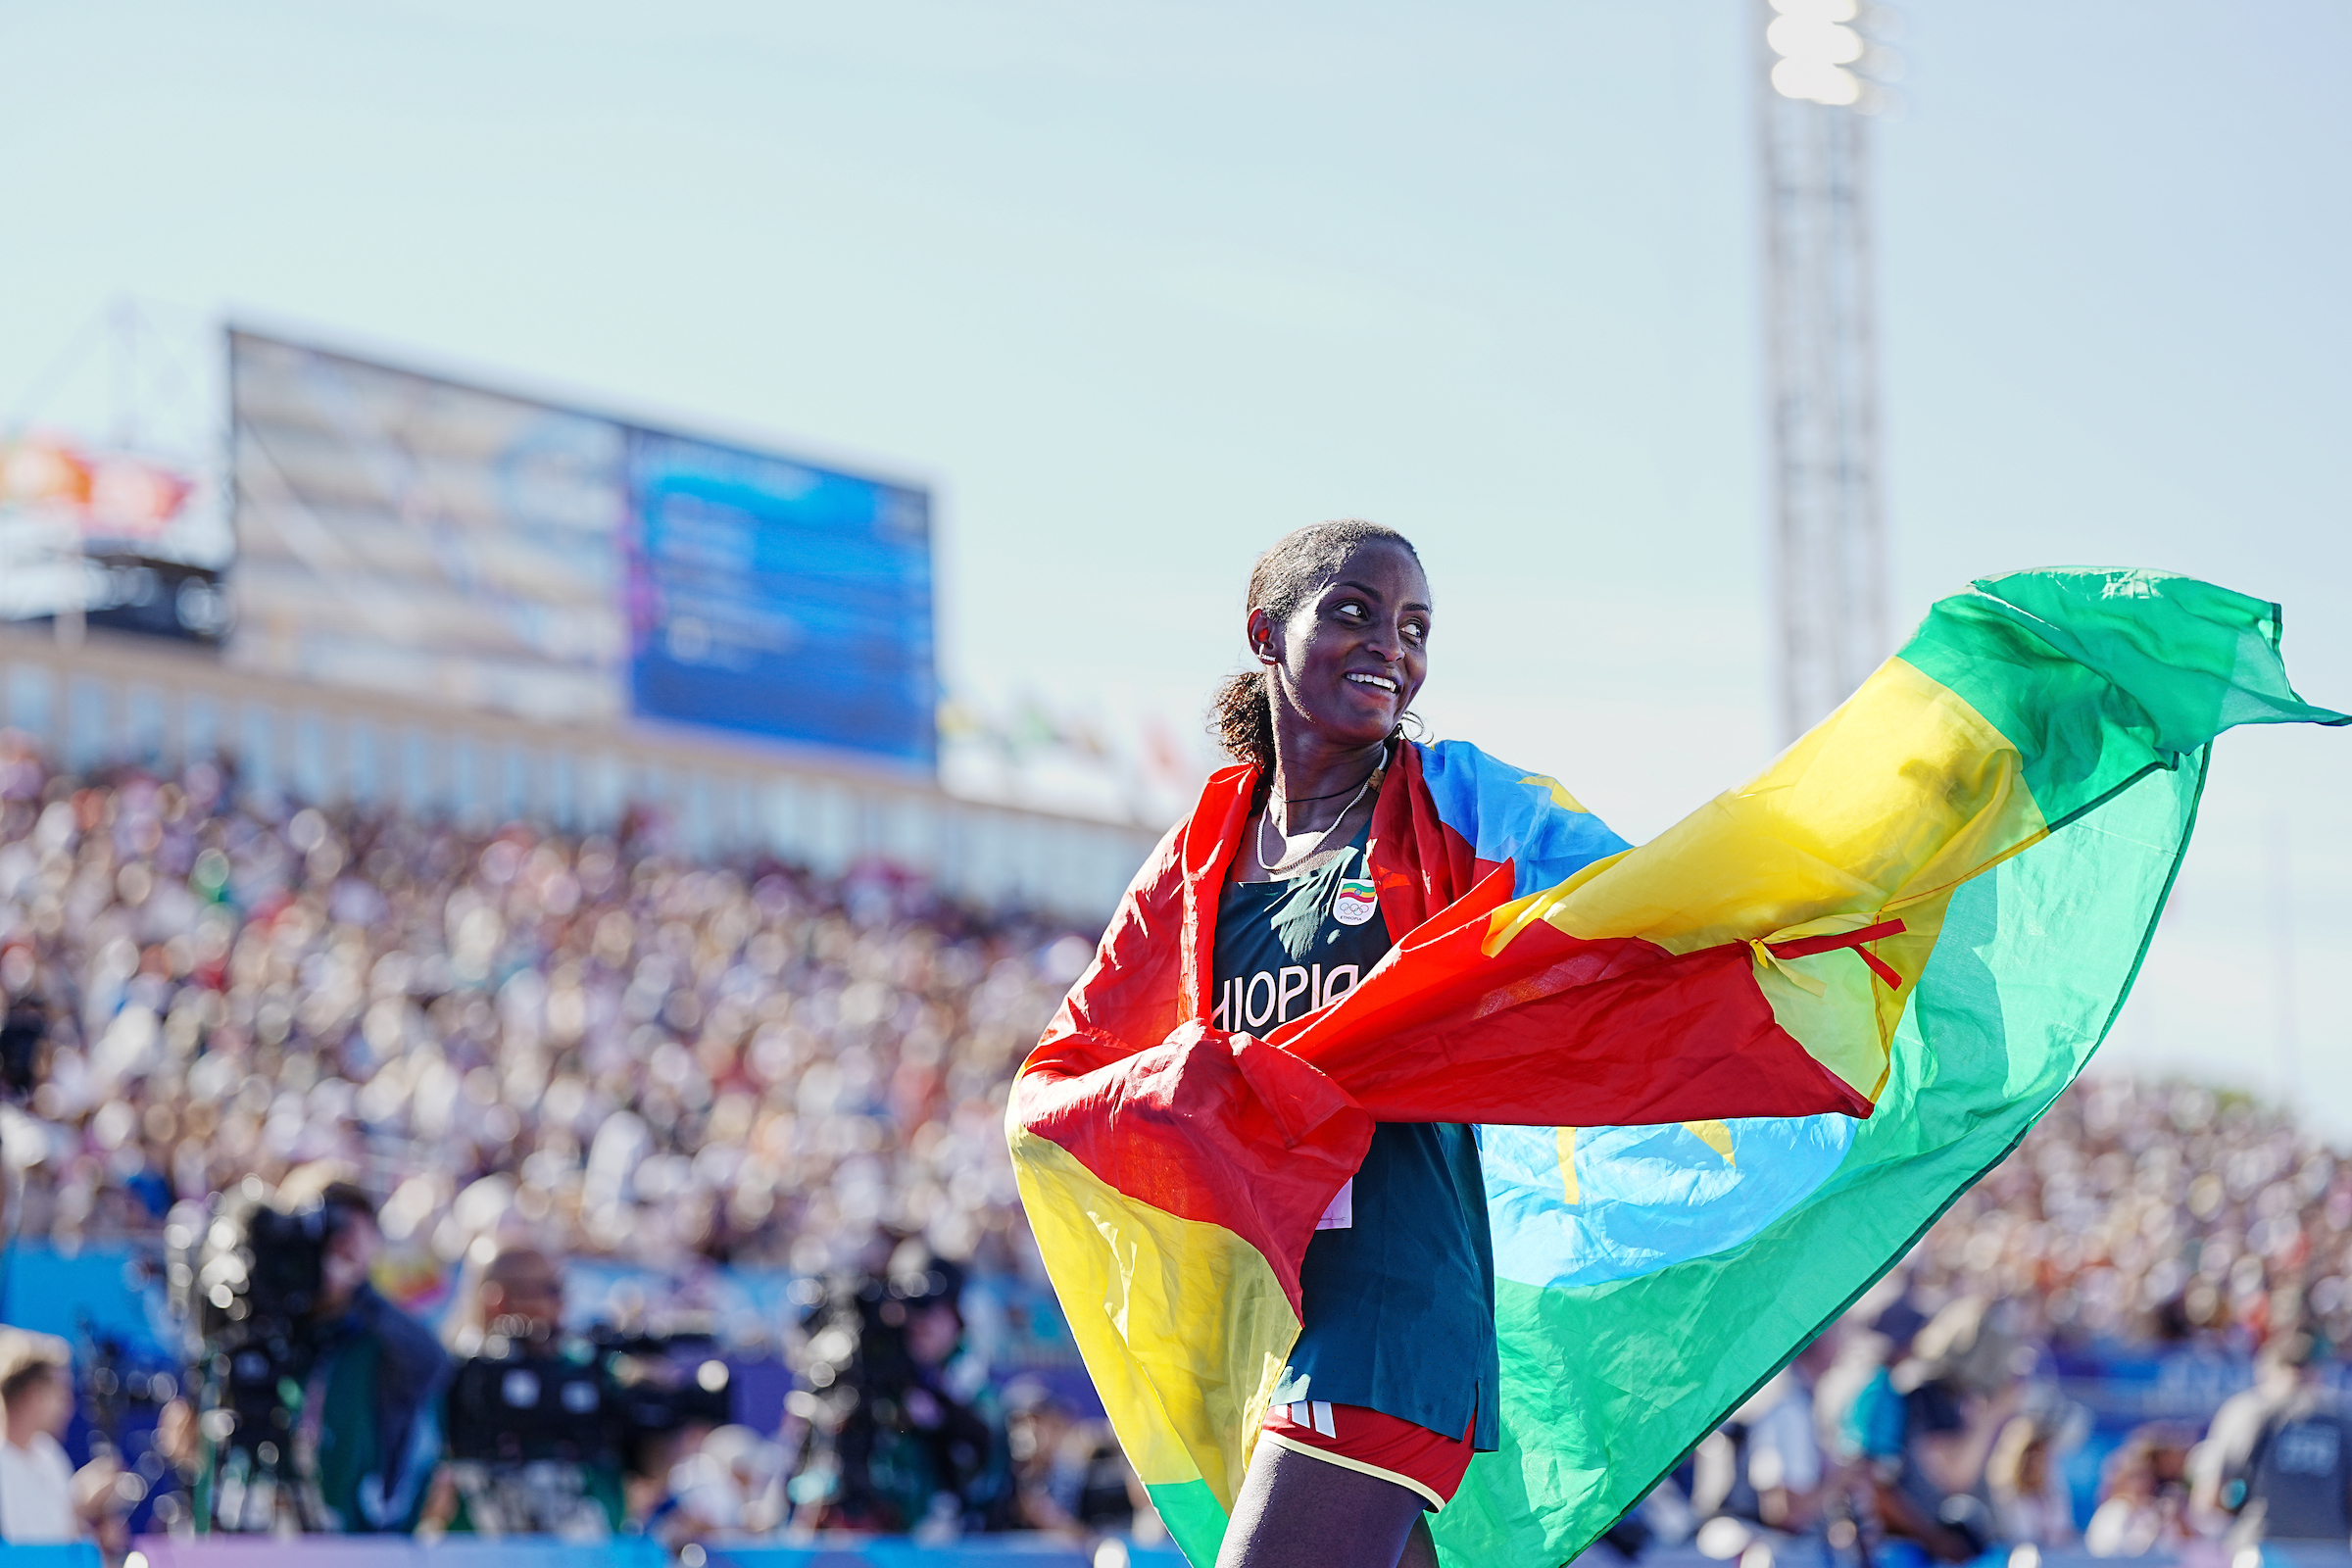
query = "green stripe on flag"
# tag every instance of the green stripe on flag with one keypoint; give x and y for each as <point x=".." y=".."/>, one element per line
<point x="2098" y="675"/>
<point x="1194" y="1517"/>
<point x="1605" y="1388"/>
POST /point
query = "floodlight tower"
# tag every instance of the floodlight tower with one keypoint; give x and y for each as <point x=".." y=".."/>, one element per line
<point x="1829" y="526"/>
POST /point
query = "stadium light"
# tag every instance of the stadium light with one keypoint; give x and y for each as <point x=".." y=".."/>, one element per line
<point x="1815" y="46"/>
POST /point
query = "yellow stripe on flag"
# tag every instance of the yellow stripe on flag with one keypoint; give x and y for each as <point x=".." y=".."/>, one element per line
<point x="1808" y="838"/>
<point x="1804" y="850"/>
<point x="1183" y="1324"/>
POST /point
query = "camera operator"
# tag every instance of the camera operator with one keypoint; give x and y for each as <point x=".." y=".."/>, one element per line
<point x="376" y="1391"/>
<point x="318" y="1400"/>
<point x="523" y="1458"/>
<point x="888" y="1445"/>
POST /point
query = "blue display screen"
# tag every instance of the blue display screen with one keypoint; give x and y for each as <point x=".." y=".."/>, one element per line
<point x="778" y="598"/>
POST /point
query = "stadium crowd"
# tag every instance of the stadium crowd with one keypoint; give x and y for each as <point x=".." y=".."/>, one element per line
<point x="597" y="1049"/>
<point x="631" y="1055"/>
<point x="2156" y="1213"/>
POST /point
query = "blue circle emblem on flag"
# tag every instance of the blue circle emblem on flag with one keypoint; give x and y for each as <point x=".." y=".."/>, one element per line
<point x="1584" y="1205"/>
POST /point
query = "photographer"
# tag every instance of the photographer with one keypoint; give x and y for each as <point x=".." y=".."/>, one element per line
<point x="1920" y="1431"/>
<point x="2281" y="1451"/>
<point x="519" y="1460"/>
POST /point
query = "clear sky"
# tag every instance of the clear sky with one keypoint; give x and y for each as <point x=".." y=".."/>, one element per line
<point x="1140" y="286"/>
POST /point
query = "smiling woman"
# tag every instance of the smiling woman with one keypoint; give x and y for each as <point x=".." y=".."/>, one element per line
<point x="1391" y="1384"/>
<point x="1362" y="1394"/>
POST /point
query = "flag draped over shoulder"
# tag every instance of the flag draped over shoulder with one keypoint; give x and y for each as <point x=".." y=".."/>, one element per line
<point x="1722" y="1080"/>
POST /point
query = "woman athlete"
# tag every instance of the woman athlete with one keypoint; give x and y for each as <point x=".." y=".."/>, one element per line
<point x="1392" y="1384"/>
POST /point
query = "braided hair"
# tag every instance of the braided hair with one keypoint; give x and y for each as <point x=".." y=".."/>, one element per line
<point x="1240" y="715"/>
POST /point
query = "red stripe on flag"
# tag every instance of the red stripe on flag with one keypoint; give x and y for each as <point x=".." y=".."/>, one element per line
<point x="1206" y="1126"/>
<point x="1806" y="946"/>
<point x="1556" y="1030"/>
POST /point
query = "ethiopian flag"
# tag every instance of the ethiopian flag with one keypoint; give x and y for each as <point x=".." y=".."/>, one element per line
<point x="1722" y="1080"/>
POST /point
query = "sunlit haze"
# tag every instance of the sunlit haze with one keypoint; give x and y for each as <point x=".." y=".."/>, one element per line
<point x="1138" y="288"/>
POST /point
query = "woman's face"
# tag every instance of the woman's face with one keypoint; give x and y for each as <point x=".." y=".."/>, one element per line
<point x="1351" y="658"/>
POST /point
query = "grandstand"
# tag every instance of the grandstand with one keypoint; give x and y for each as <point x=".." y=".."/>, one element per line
<point x="2155" y="1214"/>
<point x="116" y="698"/>
<point x="704" y="1076"/>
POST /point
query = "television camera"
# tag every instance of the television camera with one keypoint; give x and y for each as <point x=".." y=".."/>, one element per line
<point x="246" y="1278"/>
<point x="540" y="1431"/>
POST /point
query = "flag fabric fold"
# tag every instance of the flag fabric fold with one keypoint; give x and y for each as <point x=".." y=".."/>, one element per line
<point x="1722" y="1080"/>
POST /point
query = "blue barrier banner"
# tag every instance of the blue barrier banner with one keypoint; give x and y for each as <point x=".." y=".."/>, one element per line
<point x="64" y="1554"/>
<point x="1020" y="1550"/>
<point x="109" y="1291"/>
<point x="390" y="1551"/>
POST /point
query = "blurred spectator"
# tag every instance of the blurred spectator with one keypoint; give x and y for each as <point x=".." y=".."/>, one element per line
<point x="1922" y="1427"/>
<point x="42" y="1500"/>
<point x="1858" y="1352"/>
<point x="676" y="1493"/>
<point x="731" y="1481"/>
<point x="512" y="1291"/>
<point x="2030" y="1502"/>
<point x="1763" y="1465"/>
<point x="2295" y="1481"/>
<point x="2285" y="1381"/>
<point x="2143" y="1495"/>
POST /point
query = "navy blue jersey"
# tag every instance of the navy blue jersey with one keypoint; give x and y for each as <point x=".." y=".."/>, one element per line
<point x="1398" y="1283"/>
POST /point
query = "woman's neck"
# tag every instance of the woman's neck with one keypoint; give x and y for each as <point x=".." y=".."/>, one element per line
<point x="1314" y="784"/>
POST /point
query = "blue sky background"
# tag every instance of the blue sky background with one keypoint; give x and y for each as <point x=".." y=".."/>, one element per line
<point x="1140" y="286"/>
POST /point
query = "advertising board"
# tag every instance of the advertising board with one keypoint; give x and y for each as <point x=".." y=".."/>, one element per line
<point x="120" y="536"/>
<point x="412" y="533"/>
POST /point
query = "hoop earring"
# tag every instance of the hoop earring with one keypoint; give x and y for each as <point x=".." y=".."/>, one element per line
<point x="1410" y="727"/>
